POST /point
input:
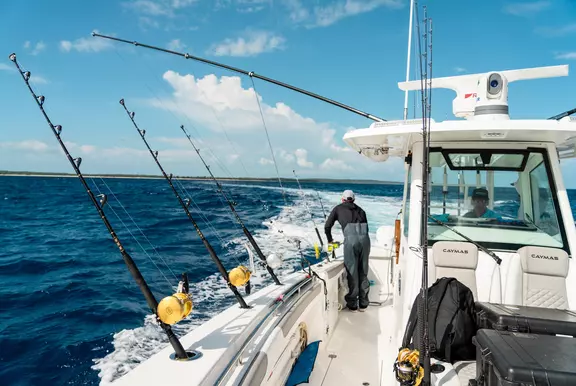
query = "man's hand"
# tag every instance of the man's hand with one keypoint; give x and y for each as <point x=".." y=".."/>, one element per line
<point x="332" y="246"/>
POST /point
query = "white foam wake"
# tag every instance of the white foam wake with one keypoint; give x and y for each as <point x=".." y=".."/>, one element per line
<point x="211" y="295"/>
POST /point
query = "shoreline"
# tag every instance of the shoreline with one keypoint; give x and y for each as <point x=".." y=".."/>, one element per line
<point x="223" y="179"/>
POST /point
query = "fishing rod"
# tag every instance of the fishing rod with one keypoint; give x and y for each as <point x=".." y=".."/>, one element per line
<point x="231" y="204"/>
<point x="251" y="74"/>
<point x="426" y="87"/>
<point x="185" y="206"/>
<point x="309" y="211"/>
<point x="180" y="352"/>
<point x="564" y="114"/>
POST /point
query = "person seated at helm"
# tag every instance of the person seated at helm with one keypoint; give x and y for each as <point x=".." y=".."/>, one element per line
<point x="480" y="208"/>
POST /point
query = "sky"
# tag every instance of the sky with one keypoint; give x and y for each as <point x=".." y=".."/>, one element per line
<point x="352" y="51"/>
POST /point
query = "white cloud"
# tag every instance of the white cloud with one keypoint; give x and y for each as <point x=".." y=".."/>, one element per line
<point x="146" y="22"/>
<point x="35" y="48"/>
<point x="158" y="7"/>
<point x="214" y="101"/>
<point x="526" y="8"/>
<point x="5" y="67"/>
<point x="92" y="44"/>
<point x="35" y="79"/>
<point x="26" y="145"/>
<point x="286" y="156"/>
<point x="151" y="8"/>
<point x="175" y="45"/>
<point x="323" y="16"/>
<point x="557" y="31"/>
<point x="253" y="43"/>
<point x="335" y="164"/>
<point x="460" y="70"/>
<point x="301" y="158"/>
<point x="567" y="55"/>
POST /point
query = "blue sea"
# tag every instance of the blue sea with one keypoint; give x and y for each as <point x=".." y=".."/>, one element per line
<point x="71" y="312"/>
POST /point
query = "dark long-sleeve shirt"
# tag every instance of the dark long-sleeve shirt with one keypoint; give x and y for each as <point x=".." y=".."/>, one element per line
<point x="345" y="213"/>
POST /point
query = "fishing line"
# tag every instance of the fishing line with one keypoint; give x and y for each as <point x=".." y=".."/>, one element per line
<point x="232" y="205"/>
<point x="268" y="138"/>
<point x="308" y="210"/>
<point x="135" y="239"/>
<point x="135" y="224"/>
<point x="207" y="222"/>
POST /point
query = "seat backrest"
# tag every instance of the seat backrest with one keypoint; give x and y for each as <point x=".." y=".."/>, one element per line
<point x="544" y="272"/>
<point x="455" y="259"/>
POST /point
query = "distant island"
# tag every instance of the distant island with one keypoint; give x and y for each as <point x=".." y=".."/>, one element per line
<point x="8" y="173"/>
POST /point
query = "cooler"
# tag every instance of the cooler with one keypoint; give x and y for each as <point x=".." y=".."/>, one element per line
<point x="535" y="320"/>
<point x="518" y="359"/>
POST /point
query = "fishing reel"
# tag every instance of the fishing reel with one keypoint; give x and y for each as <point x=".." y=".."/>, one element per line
<point x="239" y="276"/>
<point x="407" y="368"/>
<point x="333" y="246"/>
<point x="174" y="308"/>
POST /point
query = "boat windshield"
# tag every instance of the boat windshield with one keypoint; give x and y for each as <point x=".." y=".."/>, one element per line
<point x="502" y="199"/>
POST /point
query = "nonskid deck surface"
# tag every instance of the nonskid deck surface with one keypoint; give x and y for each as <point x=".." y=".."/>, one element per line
<point x="360" y="351"/>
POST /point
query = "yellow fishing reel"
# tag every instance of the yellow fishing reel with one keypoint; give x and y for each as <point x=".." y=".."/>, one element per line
<point x="239" y="276"/>
<point x="174" y="308"/>
<point x="407" y="368"/>
<point x="333" y="246"/>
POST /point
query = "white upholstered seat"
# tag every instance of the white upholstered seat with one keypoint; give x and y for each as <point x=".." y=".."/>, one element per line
<point x="544" y="272"/>
<point x="455" y="259"/>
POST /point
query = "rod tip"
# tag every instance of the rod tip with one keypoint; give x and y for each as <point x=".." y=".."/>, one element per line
<point x="12" y="57"/>
<point x="182" y="127"/>
<point x="122" y="101"/>
<point x="93" y="33"/>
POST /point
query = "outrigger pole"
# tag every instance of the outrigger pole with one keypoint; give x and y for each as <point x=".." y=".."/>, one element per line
<point x="564" y="114"/>
<point x="99" y="205"/>
<point x="231" y="204"/>
<point x="249" y="73"/>
<point x="185" y="205"/>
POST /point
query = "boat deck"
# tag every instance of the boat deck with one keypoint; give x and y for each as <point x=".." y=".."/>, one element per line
<point x="359" y="351"/>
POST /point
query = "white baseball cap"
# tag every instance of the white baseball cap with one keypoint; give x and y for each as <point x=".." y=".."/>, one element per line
<point x="348" y="195"/>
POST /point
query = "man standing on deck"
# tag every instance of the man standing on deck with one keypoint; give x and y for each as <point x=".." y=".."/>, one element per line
<point x="354" y="225"/>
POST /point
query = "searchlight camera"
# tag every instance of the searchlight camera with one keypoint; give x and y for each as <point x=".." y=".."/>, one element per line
<point x="492" y="100"/>
<point x="494" y="85"/>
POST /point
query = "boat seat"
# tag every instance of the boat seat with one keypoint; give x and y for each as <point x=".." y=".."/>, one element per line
<point x="455" y="259"/>
<point x="543" y="282"/>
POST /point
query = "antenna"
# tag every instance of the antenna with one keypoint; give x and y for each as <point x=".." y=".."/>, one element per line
<point x="485" y="95"/>
<point x="408" y="61"/>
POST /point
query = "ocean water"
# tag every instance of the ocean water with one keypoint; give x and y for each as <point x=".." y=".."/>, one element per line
<point x="71" y="313"/>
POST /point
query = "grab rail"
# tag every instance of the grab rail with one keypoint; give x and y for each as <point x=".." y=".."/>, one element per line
<point x="274" y="305"/>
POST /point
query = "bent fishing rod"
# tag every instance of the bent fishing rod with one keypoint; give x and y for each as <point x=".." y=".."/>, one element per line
<point x="251" y="74"/>
<point x="180" y="352"/>
<point x="231" y="205"/>
<point x="185" y="206"/>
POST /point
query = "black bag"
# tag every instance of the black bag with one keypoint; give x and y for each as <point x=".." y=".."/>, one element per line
<point x="451" y="321"/>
